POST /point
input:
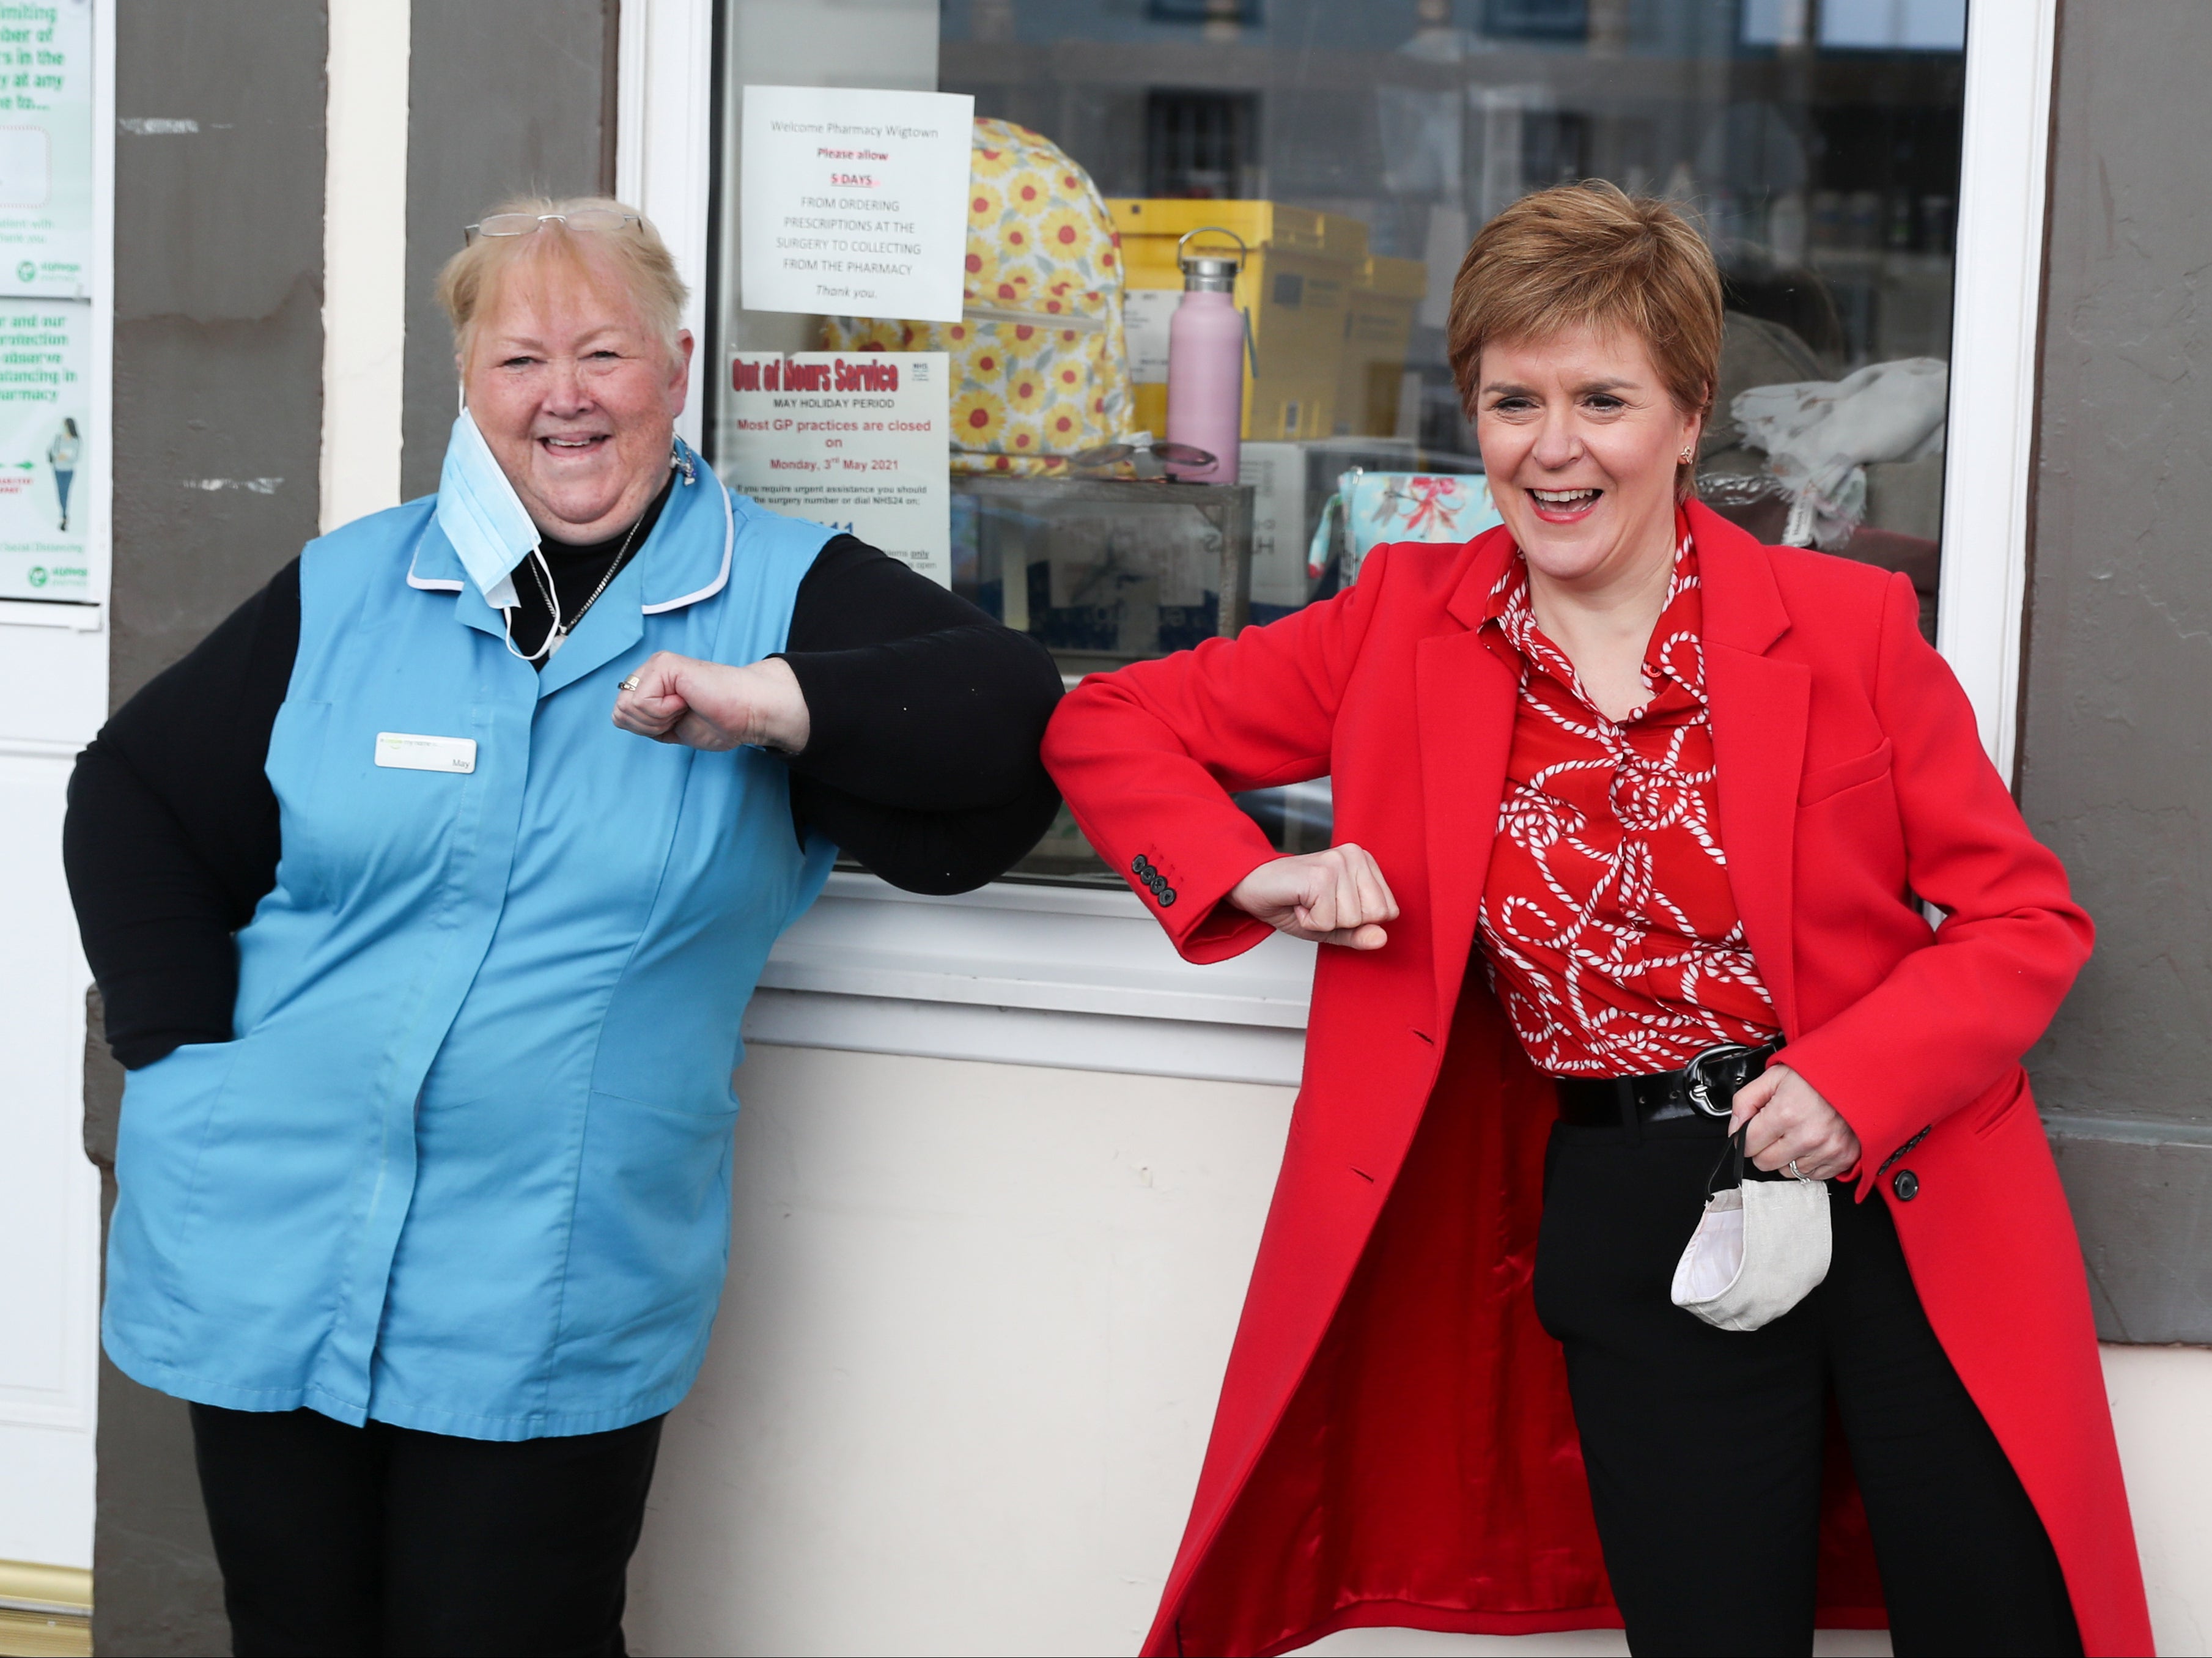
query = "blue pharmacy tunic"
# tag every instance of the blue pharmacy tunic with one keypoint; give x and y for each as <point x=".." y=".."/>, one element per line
<point x="466" y="1165"/>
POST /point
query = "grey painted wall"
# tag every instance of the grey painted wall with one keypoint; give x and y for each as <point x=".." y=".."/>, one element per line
<point x="505" y="96"/>
<point x="2116" y="745"/>
<point x="218" y="422"/>
<point x="218" y="314"/>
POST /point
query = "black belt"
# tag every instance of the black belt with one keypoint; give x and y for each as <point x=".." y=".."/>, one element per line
<point x="1704" y="1088"/>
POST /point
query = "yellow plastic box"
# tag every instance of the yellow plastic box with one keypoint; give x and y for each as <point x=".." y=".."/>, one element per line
<point x="1295" y="292"/>
<point x="1378" y="326"/>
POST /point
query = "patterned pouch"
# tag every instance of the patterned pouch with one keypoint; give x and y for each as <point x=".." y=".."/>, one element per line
<point x="1379" y="507"/>
<point x="1040" y="367"/>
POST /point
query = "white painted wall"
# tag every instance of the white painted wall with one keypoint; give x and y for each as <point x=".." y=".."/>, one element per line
<point x="976" y="1318"/>
<point x="2162" y="1408"/>
<point x="960" y="1386"/>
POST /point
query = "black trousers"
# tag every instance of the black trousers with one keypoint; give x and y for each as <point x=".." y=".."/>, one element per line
<point x="335" y="1540"/>
<point x="1704" y="1447"/>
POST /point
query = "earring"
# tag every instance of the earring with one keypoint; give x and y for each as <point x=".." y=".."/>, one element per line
<point x="1684" y="457"/>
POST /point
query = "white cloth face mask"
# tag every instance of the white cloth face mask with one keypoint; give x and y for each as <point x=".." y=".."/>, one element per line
<point x="1761" y="1247"/>
<point x="482" y="515"/>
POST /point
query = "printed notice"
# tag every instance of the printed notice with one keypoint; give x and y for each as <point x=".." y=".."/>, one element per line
<point x="46" y="146"/>
<point x="858" y="442"/>
<point x="45" y="404"/>
<point x="855" y="203"/>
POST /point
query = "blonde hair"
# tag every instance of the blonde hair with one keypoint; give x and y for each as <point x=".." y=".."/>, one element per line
<point x="1588" y="255"/>
<point x="639" y="258"/>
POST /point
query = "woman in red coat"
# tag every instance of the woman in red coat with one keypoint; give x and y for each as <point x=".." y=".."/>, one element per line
<point x="1638" y="819"/>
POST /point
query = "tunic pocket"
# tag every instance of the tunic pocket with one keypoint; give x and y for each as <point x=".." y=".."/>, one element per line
<point x="652" y="1211"/>
<point x="167" y="1105"/>
<point x="169" y="1109"/>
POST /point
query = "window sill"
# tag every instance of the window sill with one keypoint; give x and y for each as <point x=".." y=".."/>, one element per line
<point x="1074" y="977"/>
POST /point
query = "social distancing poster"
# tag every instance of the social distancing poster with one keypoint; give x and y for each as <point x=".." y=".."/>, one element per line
<point x="45" y="433"/>
<point x="45" y="148"/>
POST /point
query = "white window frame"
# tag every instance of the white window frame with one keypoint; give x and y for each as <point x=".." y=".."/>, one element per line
<point x="1996" y="317"/>
<point x="1030" y="973"/>
<point x="664" y="148"/>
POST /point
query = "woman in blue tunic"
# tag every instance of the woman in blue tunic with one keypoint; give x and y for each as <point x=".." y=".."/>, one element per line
<point x="428" y="977"/>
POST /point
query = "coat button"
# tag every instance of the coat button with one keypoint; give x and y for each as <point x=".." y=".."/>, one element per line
<point x="1139" y="864"/>
<point x="1905" y="1184"/>
<point x="1167" y="896"/>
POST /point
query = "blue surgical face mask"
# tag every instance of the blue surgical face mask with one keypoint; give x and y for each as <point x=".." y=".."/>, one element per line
<point x="482" y="515"/>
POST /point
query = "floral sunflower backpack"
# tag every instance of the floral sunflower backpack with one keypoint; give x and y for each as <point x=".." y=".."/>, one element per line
<point x="1039" y="369"/>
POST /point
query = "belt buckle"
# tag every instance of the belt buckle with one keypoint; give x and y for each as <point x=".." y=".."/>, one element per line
<point x="1701" y="1091"/>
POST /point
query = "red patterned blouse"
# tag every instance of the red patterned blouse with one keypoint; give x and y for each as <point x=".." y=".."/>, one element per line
<point x="1611" y="934"/>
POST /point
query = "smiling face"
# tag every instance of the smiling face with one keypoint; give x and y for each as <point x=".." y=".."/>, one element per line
<point x="1581" y="441"/>
<point x="575" y="390"/>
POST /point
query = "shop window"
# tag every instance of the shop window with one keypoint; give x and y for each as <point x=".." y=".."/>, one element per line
<point x="1561" y="21"/>
<point x="1203" y="11"/>
<point x="1554" y="146"/>
<point x="1356" y="148"/>
<point x="1893" y="25"/>
<point x="1199" y="144"/>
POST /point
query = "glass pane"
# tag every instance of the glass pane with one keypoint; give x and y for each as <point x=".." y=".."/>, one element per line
<point x="1104" y="571"/>
<point x="1356" y="147"/>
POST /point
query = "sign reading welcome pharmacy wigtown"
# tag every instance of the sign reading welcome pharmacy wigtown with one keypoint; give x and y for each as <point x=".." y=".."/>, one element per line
<point x="855" y="203"/>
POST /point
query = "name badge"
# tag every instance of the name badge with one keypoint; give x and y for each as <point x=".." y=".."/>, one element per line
<point x="410" y="753"/>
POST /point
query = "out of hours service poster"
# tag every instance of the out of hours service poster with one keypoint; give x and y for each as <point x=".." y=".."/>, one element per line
<point x="856" y="441"/>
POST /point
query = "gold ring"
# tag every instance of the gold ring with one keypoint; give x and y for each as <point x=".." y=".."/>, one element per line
<point x="630" y="683"/>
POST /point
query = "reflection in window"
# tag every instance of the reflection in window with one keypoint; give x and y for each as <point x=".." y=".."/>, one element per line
<point x="1359" y="147"/>
<point x="1817" y="143"/>
<point x="1198" y="145"/>
<point x="1567" y="21"/>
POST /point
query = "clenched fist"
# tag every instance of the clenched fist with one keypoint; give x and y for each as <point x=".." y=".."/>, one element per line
<point x="1789" y="1120"/>
<point x="714" y="705"/>
<point x="1333" y="897"/>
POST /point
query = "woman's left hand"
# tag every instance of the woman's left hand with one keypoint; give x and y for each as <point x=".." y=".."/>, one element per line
<point x="714" y="706"/>
<point x="1788" y="1118"/>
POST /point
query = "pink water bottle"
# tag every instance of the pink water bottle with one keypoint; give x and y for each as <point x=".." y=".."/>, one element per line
<point x="1206" y="359"/>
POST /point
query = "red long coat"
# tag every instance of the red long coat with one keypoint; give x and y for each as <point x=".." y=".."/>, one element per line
<point x="1394" y="1443"/>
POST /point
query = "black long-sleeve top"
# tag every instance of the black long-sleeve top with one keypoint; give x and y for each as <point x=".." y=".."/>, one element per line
<point x="921" y="763"/>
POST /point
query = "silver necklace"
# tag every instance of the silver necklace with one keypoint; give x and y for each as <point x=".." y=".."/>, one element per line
<point x="560" y="630"/>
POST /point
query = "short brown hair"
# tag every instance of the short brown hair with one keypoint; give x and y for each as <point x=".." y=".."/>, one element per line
<point x="640" y="258"/>
<point x="1587" y="253"/>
